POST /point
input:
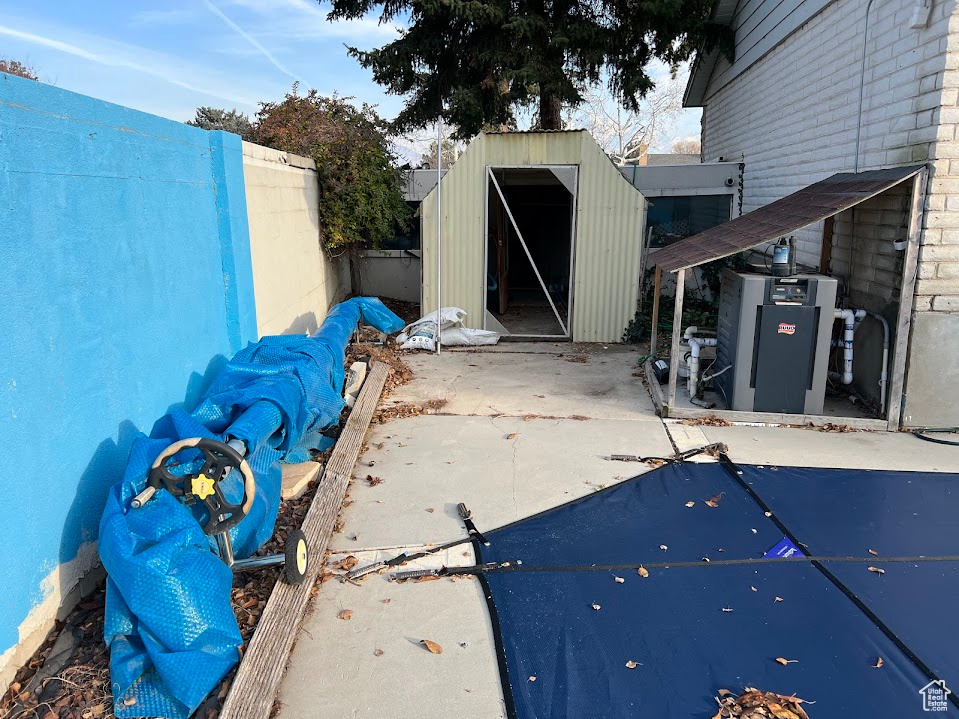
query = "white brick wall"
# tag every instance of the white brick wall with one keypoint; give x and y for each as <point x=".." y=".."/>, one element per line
<point x="793" y="116"/>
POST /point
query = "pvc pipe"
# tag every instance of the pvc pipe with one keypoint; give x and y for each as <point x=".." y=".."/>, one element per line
<point x="851" y="320"/>
<point x="885" y="361"/>
<point x="695" y="344"/>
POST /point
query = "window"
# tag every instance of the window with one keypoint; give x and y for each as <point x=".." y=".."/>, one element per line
<point x="673" y="218"/>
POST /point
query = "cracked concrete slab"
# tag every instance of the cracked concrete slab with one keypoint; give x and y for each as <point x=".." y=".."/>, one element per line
<point x="808" y="448"/>
<point x="585" y="380"/>
<point x="503" y="468"/>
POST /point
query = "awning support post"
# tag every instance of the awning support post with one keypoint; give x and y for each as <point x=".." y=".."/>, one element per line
<point x="907" y="292"/>
<point x="677" y="334"/>
<point x="653" y="330"/>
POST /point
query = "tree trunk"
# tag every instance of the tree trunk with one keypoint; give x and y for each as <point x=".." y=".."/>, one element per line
<point x="550" y="117"/>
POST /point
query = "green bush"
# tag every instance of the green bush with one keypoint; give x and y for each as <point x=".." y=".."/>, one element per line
<point x="361" y="202"/>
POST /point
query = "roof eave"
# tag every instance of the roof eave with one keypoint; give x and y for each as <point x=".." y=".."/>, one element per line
<point x="722" y="13"/>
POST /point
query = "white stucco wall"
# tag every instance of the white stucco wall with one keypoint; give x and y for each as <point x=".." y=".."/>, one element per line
<point x="294" y="279"/>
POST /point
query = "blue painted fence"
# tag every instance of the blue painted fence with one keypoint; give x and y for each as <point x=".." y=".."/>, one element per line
<point x="126" y="281"/>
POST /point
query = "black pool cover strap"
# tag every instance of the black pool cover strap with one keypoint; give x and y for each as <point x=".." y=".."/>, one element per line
<point x="580" y="633"/>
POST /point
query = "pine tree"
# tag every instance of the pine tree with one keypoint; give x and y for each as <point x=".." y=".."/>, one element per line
<point x="214" y="118"/>
<point x="474" y="62"/>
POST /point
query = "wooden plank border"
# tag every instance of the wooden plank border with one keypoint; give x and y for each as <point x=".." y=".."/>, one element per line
<point x="774" y="418"/>
<point x="655" y="391"/>
<point x="258" y="678"/>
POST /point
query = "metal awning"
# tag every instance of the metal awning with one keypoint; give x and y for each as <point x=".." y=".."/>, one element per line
<point x="782" y="217"/>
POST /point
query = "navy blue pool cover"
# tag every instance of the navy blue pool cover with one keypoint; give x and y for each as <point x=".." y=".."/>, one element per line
<point x="714" y="612"/>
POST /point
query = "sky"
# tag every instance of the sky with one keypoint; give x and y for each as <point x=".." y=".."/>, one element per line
<point x="169" y="58"/>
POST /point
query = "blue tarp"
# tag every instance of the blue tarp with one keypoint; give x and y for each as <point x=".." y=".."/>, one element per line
<point x="169" y="621"/>
<point x="699" y="626"/>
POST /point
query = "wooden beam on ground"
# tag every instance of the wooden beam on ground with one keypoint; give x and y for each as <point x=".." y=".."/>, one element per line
<point x="775" y="418"/>
<point x="654" y="330"/>
<point x="907" y="293"/>
<point x="654" y="389"/>
<point x="677" y="335"/>
<point x="258" y="678"/>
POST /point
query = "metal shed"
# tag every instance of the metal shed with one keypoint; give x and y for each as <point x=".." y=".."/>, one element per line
<point x="542" y="218"/>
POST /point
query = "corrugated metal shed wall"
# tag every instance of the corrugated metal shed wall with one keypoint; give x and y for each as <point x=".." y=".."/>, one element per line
<point x="609" y="226"/>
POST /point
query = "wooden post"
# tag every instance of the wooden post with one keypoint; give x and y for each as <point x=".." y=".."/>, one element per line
<point x="653" y="330"/>
<point x="677" y="334"/>
<point x="907" y="291"/>
<point x="825" y="251"/>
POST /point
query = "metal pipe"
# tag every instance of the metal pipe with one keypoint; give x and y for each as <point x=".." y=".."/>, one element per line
<point x="439" y="227"/>
<point x="862" y="83"/>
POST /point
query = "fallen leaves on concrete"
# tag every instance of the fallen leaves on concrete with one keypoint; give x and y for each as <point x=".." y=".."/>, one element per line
<point x="784" y="662"/>
<point x="345" y="614"/>
<point x="432" y="646"/>
<point x="708" y="421"/>
<point x="756" y="704"/>
<point x="402" y="410"/>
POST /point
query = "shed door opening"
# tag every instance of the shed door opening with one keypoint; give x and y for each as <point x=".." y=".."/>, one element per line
<point x="530" y="227"/>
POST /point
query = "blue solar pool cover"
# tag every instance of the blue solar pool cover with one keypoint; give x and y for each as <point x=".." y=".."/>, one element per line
<point x="169" y="622"/>
<point x="566" y="628"/>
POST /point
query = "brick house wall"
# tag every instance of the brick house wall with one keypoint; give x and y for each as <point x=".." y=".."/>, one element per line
<point x="793" y="115"/>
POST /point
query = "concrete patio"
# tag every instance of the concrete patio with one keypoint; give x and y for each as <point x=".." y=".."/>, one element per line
<point x="526" y="427"/>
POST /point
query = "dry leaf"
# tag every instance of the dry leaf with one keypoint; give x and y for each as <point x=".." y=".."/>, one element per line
<point x="597" y="607"/>
<point x="643" y="572"/>
<point x="784" y="662"/>
<point x="346" y="564"/>
<point x="430" y="510"/>
<point x="345" y="614"/>
<point x="778" y="599"/>
<point x="618" y="580"/>
<point x="878" y="664"/>
<point x="690" y="504"/>
<point x="663" y="547"/>
<point x="724" y="693"/>
<point x="386" y="601"/>
<point x="532" y="678"/>
<point x="754" y="589"/>
<point x="631" y="664"/>
<point x="714" y="501"/>
<point x="432" y="646"/>
<point x="877" y="570"/>
<point x="511" y="435"/>
<point x="129" y="701"/>
<point x="378" y="653"/>
<point x="874" y="553"/>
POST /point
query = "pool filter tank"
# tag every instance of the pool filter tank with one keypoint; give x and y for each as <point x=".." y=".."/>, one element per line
<point x="774" y="336"/>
